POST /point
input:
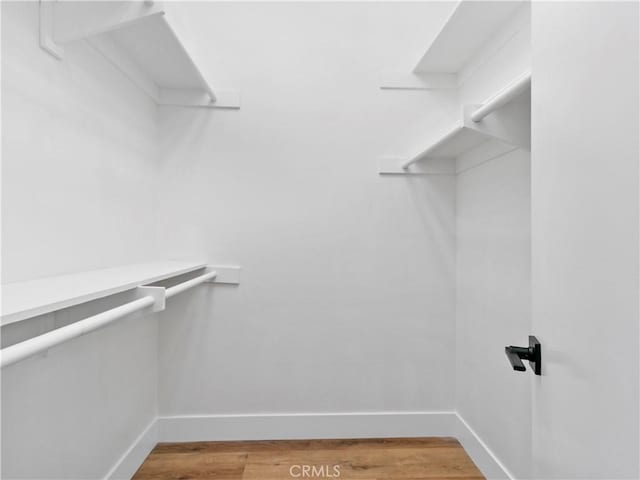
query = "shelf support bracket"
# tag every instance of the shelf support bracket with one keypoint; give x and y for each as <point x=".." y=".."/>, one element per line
<point x="158" y="294"/>
<point x="228" y="274"/>
<point x="418" y="81"/>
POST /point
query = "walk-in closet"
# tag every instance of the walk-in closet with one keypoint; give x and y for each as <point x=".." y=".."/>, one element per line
<point x="306" y="239"/>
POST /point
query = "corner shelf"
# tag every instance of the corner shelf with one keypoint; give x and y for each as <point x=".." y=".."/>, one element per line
<point x="142" y="40"/>
<point x="23" y="300"/>
<point x="499" y="125"/>
<point x="469" y="27"/>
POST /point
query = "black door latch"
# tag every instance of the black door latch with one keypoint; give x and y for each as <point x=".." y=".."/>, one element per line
<point x="532" y="353"/>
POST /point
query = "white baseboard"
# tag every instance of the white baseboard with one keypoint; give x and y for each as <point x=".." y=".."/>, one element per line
<point x="309" y="426"/>
<point x="490" y="466"/>
<point x="305" y="426"/>
<point x="135" y="454"/>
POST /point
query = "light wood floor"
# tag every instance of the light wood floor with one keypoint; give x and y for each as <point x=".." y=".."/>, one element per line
<point x="367" y="459"/>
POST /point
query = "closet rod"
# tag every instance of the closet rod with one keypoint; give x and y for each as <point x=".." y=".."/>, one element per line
<point x="35" y="345"/>
<point x="432" y="147"/>
<point x="504" y="96"/>
<point x="41" y="343"/>
<point x="170" y="292"/>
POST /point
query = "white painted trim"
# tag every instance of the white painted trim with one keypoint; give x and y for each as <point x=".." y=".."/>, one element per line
<point x="488" y="463"/>
<point x="292" y="426"/>
<point x="305" y="426"/>
<point x="136" y="454"/>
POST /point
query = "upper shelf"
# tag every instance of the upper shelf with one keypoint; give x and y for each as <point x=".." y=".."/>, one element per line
<point x="143" y="40"/>
<point x="22" y="300"/>
<point x="469" y="26"/>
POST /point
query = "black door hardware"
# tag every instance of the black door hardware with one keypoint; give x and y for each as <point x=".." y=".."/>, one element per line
<point x="532" y="353"/>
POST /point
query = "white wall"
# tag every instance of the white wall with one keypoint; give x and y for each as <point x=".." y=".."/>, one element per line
<point x="493" y="211"/>
<point x="347" y="299"/>
<point x="493" y="269"/>
<point x="585" y="239"/>
<point x="79" y="156"/>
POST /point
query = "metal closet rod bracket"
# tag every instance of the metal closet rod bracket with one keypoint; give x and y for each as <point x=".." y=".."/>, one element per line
<point x="532" y="353"/>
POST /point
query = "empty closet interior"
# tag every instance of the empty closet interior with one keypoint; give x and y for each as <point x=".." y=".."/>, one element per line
<point x="310" y="220"/>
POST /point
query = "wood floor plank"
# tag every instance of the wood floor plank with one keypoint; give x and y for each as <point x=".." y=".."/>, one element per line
<point x="355" y="459"/>
<point x="362" y="464"/>
<point x="261" y="445"/>
<point x="193" y="465"/>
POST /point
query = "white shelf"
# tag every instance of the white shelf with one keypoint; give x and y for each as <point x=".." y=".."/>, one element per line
<point x="505" y="129"/>
<point x="470" y="25"/>
<point x="144" y="41"/>
<point x="22" y="300"/>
